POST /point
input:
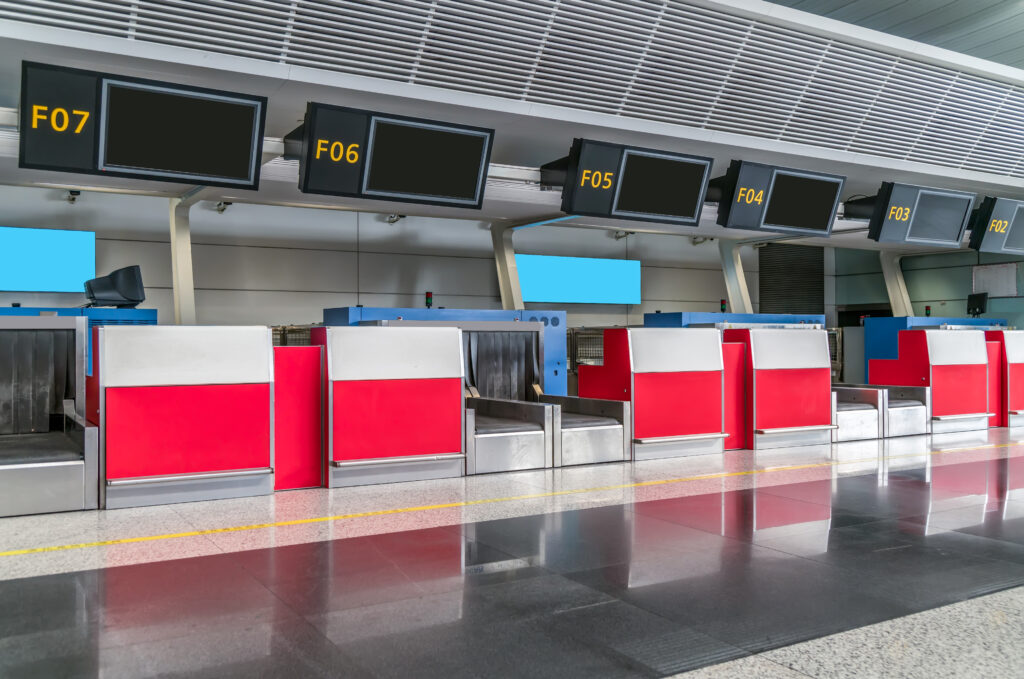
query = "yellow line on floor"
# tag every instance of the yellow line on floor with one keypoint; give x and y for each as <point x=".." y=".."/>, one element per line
<point x="470" y="503"/>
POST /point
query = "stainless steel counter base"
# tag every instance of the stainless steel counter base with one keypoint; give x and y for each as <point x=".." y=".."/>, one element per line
<point x="516" y="451"/>
<point x="42" y="488"/>
<point x="341" y="475"/>
<point x="592" y="445"/>
<point x="1015" y="421"/>
<point x="792" y="437"/>
<point x="679" y="446"/>
<point x="949" y="424"/>
<point x="123" y="493"/>
<point x="46" y="487"/>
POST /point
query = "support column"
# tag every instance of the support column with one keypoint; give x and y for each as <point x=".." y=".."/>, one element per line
<point x="508" y="274"/>
<point x="895" y="284"/>
<point x="181" y="257"/>
<point x="736" y="290"/>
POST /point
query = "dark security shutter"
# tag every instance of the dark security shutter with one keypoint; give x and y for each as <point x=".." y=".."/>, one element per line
<point x="791" y="279"/>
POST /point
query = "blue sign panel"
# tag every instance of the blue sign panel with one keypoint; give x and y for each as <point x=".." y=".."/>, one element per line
<point x="46" y="260"/>
<point x="578" y="280"/>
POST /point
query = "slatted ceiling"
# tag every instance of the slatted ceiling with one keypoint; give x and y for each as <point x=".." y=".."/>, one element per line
<point x="659" y="60"/>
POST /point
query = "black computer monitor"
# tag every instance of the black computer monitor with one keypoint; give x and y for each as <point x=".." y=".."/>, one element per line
<point x="977" y="304"/>
<point x="122" y="289"/>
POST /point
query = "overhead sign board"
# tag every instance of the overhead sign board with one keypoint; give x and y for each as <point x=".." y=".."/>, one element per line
<point x="779" y="199"/>
<point x="98" y="123"/>
<point x="628" y="182"/>
<point x="916" y="214"/>
<point x="362" y="154"/>
<point x="998" y="226"/>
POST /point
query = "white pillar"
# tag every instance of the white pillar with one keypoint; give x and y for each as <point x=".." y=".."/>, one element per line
<point x="505" y="260"/>
<point x="181" y="257"/>
<point x="895" y="284"/>
<point x="736" y="290"/>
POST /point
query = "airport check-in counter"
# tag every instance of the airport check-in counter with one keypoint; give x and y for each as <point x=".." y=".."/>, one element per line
<point x="49" y="459"/>
<point x="394" y="403"/>
<point x="185" y="413"/>
<point x="953" y="363"/>
<point x="1006" y="377"/>
<point x="672" y="379"/>
<point x="511" y="423"/>
<point x="788" y="385"/>
<point x="904" y="411"/>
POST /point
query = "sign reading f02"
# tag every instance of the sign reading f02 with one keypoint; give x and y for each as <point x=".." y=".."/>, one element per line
<point x="348" y="152"/>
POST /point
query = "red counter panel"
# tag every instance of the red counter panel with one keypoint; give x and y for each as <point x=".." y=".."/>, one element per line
<point x="153" y="431"/>
<point x="676" y="404"/>
<point x="959" y="389"/>
<point x="396" y="418"/>
<point x="794" y="397"/>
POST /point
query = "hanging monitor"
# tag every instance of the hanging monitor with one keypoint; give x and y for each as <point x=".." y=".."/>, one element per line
<point x="915" y="214"/>
<point x="998" y="226"/>
<point x="601" y="179"/>
<point x="768" y="198"/>
<point x="362" y="154"/>
<point x="97" y="123"/>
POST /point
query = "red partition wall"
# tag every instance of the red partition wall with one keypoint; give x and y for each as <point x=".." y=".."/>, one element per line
<point x="1008" y="372"/>
<point x="996" y="384"/>
<point x="734" y="356"/>
<point x="611" y="379"/>
<point x="92" y="383"/>
<point x="298" y="455"/>
<point x="155" y="431"/>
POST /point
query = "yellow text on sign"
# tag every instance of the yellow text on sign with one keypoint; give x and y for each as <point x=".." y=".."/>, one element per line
<point x="900" y="214"/>
<point x="999" y="225"/>
<point x="58" y="118"/>
<point x="597" y="179"/>
<point x="749" y="196"/>
<point x="337" y="151"/>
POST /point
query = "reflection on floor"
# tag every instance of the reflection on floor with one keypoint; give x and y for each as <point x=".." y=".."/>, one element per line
<point x="637" y="570"/>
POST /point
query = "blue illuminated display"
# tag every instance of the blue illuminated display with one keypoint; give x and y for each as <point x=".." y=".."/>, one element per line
<point x="46" y="260"/>
<point x="578" y="280"/>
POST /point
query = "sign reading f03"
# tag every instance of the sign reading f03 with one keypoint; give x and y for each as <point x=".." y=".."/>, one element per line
<point x="362" y="154"/>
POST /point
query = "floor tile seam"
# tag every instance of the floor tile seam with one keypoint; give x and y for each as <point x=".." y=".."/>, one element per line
<point x="460" y="504"/>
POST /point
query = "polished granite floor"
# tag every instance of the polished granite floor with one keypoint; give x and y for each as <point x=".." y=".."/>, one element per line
<point x="710" y="568"/>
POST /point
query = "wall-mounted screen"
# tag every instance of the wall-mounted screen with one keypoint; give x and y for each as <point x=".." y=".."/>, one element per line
<point x="97" y="123"/>
<point x="46" y="260"/>
<point x="998" y="226"/>
<point x="348" y="152"/>
<point x="578" y="280"/>
<point x="767" y="198"/>
<point x="799" y="201"/>
<point x="915" y="214"/>
<point x="626" y="182"/>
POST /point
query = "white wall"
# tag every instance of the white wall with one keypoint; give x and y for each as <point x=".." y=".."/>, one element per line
<point x="275" y="265"/>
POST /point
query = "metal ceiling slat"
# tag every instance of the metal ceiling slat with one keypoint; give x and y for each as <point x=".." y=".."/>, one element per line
<point x="660" y="60"/>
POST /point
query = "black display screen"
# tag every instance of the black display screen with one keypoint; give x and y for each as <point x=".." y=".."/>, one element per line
<point x="660" y="185"/>
<point x="161" y="131"/>
<point x="801" y="202"/>
<point x="409" y="159"/>
<point x="1015" y="232"/>
<point x="939" y="217"/>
